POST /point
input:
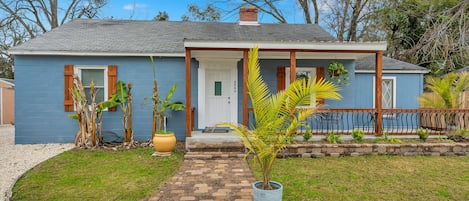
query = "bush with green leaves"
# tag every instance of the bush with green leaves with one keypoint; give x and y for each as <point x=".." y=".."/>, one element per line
<point x="461" y="135"/>
<point x="358" y="135"/>
<point x="423" y="134"/>
<point x="333" y="138"/>
<point x="393" y="140"/>
<point x="307" y="134"/>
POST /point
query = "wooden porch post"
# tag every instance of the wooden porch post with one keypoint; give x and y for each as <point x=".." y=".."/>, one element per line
<point x="188" y="94"/>
<point x="378" y="93"/>
<point x="245" y="88"/>
<point x="292" y="66"/>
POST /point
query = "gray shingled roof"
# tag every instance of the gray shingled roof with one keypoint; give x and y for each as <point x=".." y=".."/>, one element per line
<point x="125" y="36"/>
<point x="368" y="63"/>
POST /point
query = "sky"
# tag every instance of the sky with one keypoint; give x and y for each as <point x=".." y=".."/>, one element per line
<point x="147" y="9"/>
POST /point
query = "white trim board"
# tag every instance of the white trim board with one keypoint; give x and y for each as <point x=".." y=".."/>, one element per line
<point x="110" y="54"/>
<point x="395" y="71"/>
<point x="299" y="45"/>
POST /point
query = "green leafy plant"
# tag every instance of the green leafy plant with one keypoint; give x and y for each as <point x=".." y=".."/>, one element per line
<point x="338" y="72"/>
<point x="358" y="135"/>
<point x="386" y="138"/>
<point x="277" y="116"/>
<point x="395" y="140"/>
<point x="423" y="134"/>
<point x="445" y="92"/>
<point x="122" y="98"/>
<point x="333" y="138"/>
<point x="160" y="106"/>
<point x="460" y="135"/>
<point x="307" y="134"/>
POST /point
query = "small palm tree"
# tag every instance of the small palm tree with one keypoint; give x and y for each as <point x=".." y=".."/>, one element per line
<point x="277" y="116"/>
<point x="445" y="91"/>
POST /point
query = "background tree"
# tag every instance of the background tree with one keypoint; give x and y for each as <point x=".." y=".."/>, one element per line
<point x="161" y="16"/>
<point x="208" y="14"/>
<point x="432" y="34"/>
<point x="22" y="20"/>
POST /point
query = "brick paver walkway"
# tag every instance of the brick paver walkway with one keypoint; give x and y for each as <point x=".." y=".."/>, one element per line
<point x="223" y="179"/>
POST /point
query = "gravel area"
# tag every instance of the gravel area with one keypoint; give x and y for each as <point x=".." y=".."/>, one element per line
<point x="15" y="160"/>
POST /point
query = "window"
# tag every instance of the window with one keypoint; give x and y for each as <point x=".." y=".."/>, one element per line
<point x="388" y="93"/>
<point x="99" y="76"/>
<point x="302" y="73"/>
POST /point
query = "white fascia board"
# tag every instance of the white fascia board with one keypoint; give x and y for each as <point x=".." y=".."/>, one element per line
<point x="8" y="83"/>
<point x="298" y="45"/>
<point x="73" y="53"/>
<point x="395" y="71"/>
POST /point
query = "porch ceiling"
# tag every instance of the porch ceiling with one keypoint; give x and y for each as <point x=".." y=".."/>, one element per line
<point x="277" y="55"/>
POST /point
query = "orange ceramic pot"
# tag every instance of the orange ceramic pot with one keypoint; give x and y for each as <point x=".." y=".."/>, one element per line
<point x="164" y="143"/>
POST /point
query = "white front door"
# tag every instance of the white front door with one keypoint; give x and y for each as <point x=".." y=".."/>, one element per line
<point x="218" y="96"/>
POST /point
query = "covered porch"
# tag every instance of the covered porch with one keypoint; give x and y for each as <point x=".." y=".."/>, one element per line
<point x="294" y="52"/>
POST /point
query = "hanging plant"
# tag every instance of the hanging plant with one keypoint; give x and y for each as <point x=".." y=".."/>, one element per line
<point x="338" y="72"/>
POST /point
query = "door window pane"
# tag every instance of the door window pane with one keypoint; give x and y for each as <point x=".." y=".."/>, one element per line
<point x="217" y="88"/>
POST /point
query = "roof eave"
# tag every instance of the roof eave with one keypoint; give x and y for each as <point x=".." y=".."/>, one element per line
<point x="288" y="45"/>
<point x="75" y="53"/>
<point x="413" y="71"/>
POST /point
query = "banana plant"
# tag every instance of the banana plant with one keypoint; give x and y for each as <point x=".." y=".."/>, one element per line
<point x="123" y="99"/>
<point x="160" y="106"/>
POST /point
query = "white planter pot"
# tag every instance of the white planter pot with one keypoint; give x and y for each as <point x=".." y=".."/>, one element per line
<point x="267" y="195"/>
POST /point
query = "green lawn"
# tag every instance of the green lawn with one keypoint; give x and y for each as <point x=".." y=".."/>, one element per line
<point x="97" y="175"/>
<point x="374" y="178"/>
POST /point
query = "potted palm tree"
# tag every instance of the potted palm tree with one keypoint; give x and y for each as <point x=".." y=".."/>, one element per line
<point x="277" y="118"/>
<point x="163" y="140"/>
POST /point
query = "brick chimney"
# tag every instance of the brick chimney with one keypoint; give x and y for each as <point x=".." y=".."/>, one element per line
<point x="248" y="16"/>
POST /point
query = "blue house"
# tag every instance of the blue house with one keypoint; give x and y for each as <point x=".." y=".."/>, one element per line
<point x="208" y="62"/>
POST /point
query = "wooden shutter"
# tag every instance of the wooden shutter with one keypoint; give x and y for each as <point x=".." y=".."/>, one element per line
<point x="68" y="84"/>
<point x="320" y="74"/>
<point x="280" y="78"/>
<point x="111" y="83"/>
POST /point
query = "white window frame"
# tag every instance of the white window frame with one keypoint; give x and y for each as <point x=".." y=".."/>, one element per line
<point x="393" y="78"/>
<point x="312" y="72"/>
<point x="78" y="72"/>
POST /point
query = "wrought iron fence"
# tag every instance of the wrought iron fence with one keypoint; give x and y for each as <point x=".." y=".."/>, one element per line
<point x="394" y="121"/>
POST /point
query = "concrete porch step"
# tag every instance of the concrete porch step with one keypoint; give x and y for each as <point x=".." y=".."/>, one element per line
<point x="215" y="147"/>
<point x="213" y="155"/>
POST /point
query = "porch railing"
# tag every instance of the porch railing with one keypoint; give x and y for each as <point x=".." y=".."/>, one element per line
<point x="395" y="121"/>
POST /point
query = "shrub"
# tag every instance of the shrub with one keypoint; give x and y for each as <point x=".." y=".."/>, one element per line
<point x="333" y="138"/>
<point x="358" y="135"/>
<point x="460" y="135"/>
<point x="307" y="134"/>
<point x="423" y="134"/>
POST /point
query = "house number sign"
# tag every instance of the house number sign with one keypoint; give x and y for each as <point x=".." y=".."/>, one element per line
<point x="234" y="86"/>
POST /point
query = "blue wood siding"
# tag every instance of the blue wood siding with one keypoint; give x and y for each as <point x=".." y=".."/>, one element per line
<point x="40" y="118"/>
<point x="408" y="87"/>
<point x="39" y="113"/>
